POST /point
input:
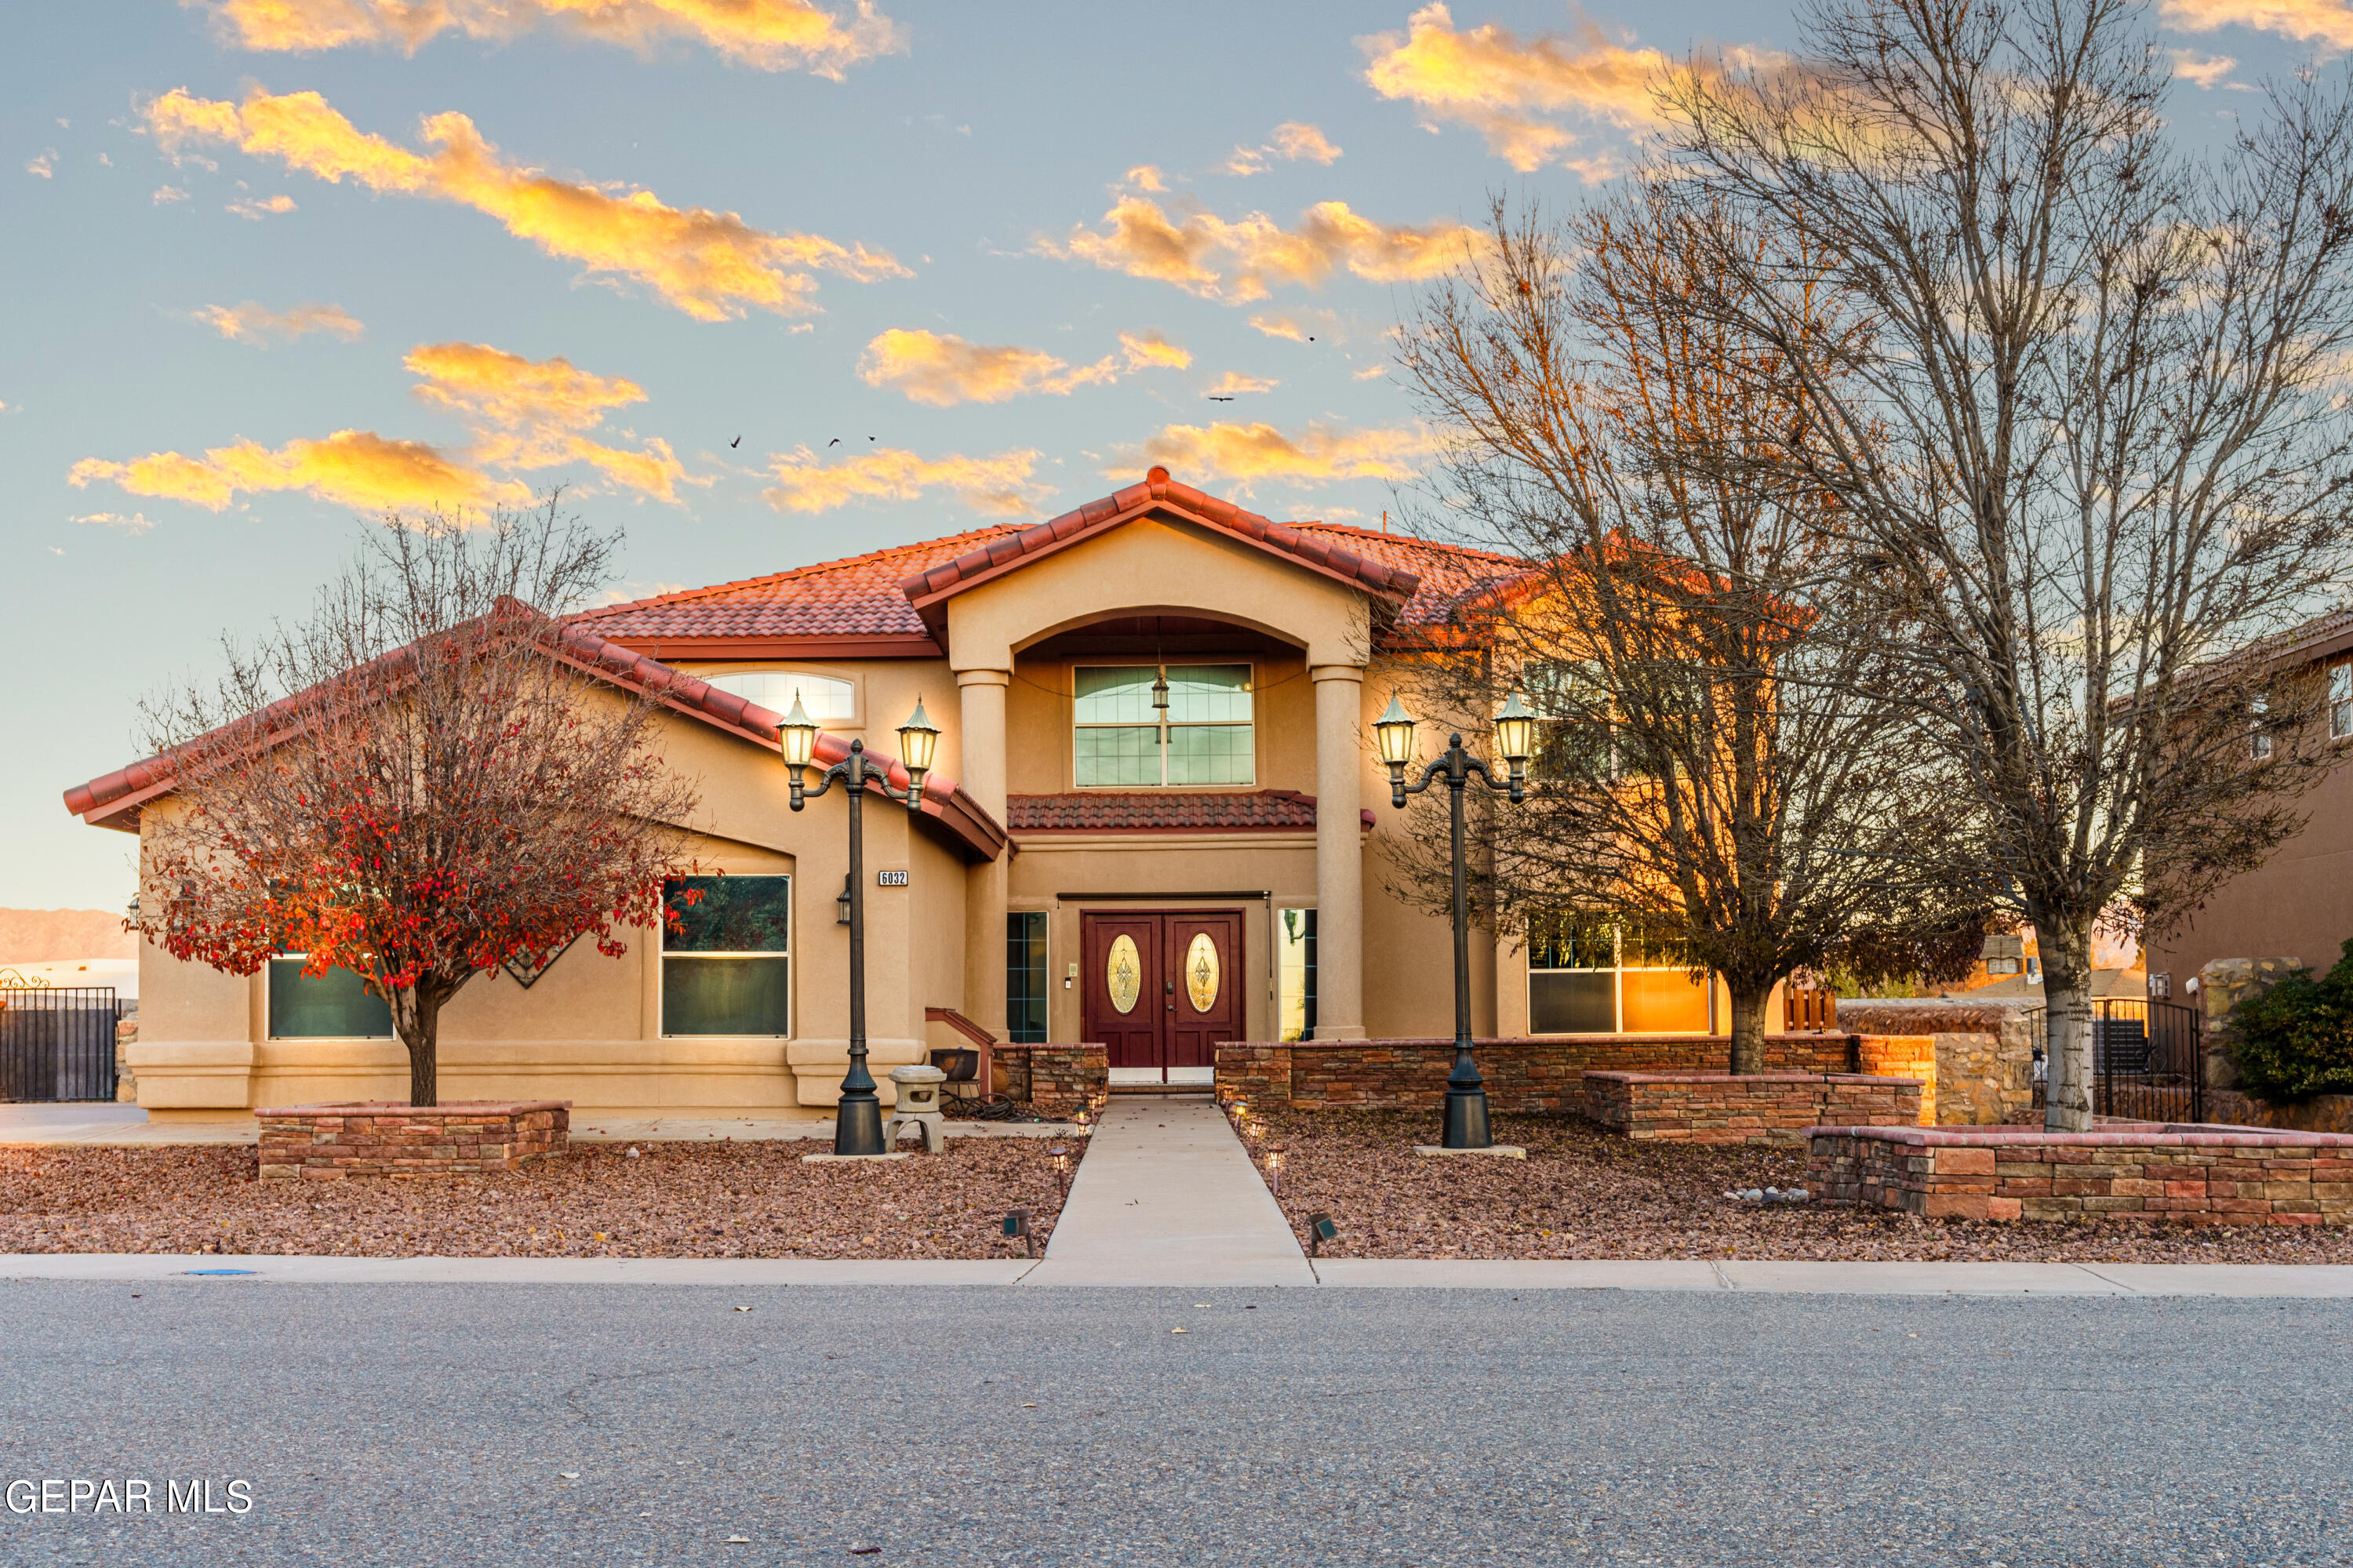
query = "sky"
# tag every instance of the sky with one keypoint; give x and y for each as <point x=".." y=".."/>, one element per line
<point x="760" y="282"/>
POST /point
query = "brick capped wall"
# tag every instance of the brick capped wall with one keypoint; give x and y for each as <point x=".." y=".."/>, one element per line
<point x="1757" y="1108"/>
<point x="1522" y="1075"/>
<point x="382" y="1138"/>
<point x="1054" y="1080"/>
<point x="1902" y="1057"/>
<point x="2179" y="1174"/>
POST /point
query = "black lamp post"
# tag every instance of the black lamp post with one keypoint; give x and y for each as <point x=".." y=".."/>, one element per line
<point x="1466" y="1092"/>
<point x="858" y="1122"/>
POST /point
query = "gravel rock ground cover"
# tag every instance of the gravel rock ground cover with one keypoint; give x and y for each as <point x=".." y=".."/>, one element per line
<point x="1586" y="1193"/>
<point x="672" y="1200"/>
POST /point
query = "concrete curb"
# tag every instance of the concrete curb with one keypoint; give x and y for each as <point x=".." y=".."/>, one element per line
<point x="2017" y="1280"/>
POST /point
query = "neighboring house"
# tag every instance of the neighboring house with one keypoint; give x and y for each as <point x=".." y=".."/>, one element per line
<point x="1080" y="852"/>
<point x="2299" y="903"/>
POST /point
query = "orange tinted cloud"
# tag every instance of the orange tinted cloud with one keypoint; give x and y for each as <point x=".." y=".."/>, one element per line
<point x="1233" y="384"/>
<point x="1293" y="139"/>
<point x="1152" y="350"/>
<point x="534" y="414"/>
<point x="1503" y="86"/>
<point x="522" y="415"/>
<point x="806" y="482"/>
<point x="252" y="322"/>
<point x="258" y="208"/>
<point x="351" y="468"/>
<point x="2326" y="21"/>
<point x="1240" y="261"/>
<point x="710" y="265"/>
<point x="773" y="35"/>
<point x="943" y="370"/>
<point x="1244" y="454"/>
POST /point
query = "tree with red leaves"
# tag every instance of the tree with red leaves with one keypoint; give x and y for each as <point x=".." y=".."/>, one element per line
<point x="418" y="782"/>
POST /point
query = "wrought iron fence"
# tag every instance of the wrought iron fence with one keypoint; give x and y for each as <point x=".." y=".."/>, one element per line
<point x="2148" y="1061"/>
<point x="58" y="1042"/>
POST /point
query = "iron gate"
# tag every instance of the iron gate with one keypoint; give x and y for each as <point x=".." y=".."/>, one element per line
<point x="2148" y="1061"/>
<point x="56" y="1042"/>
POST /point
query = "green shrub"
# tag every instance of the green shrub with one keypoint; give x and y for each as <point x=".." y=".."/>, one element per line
<point x="2296" y="1040"/>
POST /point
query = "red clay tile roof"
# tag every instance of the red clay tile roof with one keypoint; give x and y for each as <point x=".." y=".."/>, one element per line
<point x="114" y="800"/>
<point x="925" y="589"/>
<point x="1448" y="574"/>
<point x="1163" y="811"/>
<point x="885" y="603"/>
<point x="856" y="596"/>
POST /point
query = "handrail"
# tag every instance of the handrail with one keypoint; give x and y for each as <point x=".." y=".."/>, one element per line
<point x="962" y="1025"/>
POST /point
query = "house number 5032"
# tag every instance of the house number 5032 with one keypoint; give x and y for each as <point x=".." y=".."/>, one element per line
<point x="890" y="879"/>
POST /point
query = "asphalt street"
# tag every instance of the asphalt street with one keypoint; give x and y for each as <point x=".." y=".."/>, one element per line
<point x="425" y="1424"/>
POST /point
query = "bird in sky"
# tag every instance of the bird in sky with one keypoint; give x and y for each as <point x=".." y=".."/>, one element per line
<point x="834" y="442"/>
<point x="1215" y="398"/>
<point x="736" y="442"/>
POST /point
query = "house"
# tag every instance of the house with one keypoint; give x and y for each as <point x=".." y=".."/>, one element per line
<point x="1154" y="820"/>
<point x="2299" y="903"/>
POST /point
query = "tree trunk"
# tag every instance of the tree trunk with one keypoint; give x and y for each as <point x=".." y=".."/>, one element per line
<point x="1748" y="1027"/>
<point x="417" y="1017"/>
<point x="2066" y="949"/>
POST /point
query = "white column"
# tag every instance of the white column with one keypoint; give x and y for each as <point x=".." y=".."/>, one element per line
<point x="1339" y="853"/>
<point x="980" y="742"/>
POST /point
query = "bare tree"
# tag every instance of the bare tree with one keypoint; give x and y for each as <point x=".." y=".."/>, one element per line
<point x="2088" y="424"/>
<point x="418" y="781"/>
<point x="1722" y="760"/>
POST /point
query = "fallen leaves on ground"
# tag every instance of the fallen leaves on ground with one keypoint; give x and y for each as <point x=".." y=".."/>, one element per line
<point x="677" y="1200"/>
<point x="1586" y="1193"/>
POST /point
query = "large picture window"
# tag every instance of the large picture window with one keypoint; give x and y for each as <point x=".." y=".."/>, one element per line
<point x="1025" y="977"/>
<point x="333" y="1006"/>
<point x="1594" y="975"/>
<point x="1122" y="741"/>
<point x="727" y="968"/>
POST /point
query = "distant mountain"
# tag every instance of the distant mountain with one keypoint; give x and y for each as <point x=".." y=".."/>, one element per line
<point x="43" y="936"/>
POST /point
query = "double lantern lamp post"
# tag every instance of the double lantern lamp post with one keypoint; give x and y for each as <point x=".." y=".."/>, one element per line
<point x="1515" y="729"/>
<point x="858" y="1124"/>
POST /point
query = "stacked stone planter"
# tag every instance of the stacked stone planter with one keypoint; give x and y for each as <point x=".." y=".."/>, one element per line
<point x="1757" y="1108"/>
<point x="381" y="1138"/>
<point x="1522" y="1075"/>
<point x="2175" y="1174"/>
<point x="1054" y="1080"/>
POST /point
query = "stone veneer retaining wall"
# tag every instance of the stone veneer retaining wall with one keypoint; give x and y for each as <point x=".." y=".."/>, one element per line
<point x="1982" y="1071"/>
<point x="380" y="1138"/>
<point x="2182" y="1174"/>
<point x="1757" y="1108"/>
<point x="1055" y="1080"/>
<point x="1522" y="1075"/>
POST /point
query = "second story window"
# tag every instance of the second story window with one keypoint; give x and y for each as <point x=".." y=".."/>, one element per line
<point x="1122" y="741"/>
<point x="823" y="697"/>
<point x="2340" y="701"/>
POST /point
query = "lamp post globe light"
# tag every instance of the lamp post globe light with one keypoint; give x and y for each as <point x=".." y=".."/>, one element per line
<point x="857" y="1123"/>
<point x="1515" y="727"/>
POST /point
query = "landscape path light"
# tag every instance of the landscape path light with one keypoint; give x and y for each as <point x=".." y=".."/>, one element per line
<point x="1466" y="1092"/>
<point x="858" y="1120"/>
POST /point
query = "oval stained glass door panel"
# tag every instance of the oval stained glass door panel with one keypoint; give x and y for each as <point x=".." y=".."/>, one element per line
<point x="1201" y="973"/>
<point x="1123" y="972"/>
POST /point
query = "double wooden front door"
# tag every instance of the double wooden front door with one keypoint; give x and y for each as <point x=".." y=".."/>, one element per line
<point x="1162" y="990"/>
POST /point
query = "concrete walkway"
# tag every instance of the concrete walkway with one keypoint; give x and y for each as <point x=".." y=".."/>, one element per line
<point x="1167" y="1195"/>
